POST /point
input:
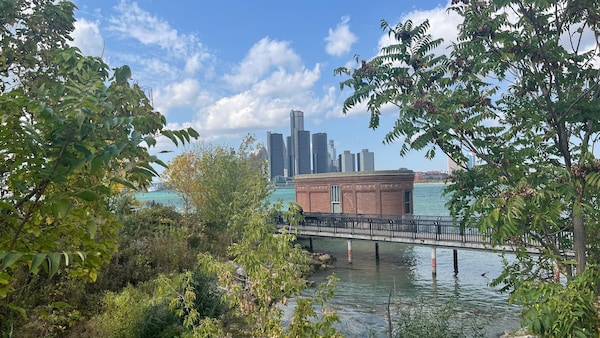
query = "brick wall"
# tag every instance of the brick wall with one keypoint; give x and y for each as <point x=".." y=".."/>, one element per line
<point x="372" y="192"/>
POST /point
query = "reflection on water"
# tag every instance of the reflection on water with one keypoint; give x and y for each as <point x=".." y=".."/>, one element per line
<point x="362" y="293"/>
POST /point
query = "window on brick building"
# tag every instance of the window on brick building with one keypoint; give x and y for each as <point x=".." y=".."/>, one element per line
<point x="407" y="201"/>
<point x="335" y="199"/>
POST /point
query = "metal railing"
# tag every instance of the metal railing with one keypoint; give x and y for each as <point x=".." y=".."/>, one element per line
<point x="407" y="226"/>
<point x="412" y="227"/>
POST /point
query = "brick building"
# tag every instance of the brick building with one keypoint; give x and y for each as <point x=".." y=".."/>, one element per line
<point x="383" y="192"/>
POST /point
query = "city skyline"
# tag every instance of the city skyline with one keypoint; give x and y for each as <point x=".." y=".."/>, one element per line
<point x="227" y="83"/>
<point x="292" y="157"/>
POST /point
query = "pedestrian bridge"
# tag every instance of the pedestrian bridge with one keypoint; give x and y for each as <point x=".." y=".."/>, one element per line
<point x="433" y="231"/>
<point x="436" y="231"/>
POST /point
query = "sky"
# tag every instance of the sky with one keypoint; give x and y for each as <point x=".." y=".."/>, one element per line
<point x="231" y="68"/>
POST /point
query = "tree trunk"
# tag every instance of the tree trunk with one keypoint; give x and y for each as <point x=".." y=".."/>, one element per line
<point x="579" y="240"/>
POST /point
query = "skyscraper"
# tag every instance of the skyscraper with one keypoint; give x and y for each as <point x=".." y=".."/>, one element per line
<point x="289" y="157"/>
<point x="366" y="160"/>
<point x="347" y="161"/>
<point x="333" y="160"/>
<point x="276" y="149"/>
<point x="319" y="153"/>
<point x="452" y="166"/>
<point x="302" y="152"/>
<point x="299" y="154"/>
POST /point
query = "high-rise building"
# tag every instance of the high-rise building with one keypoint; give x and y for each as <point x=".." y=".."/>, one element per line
<point x="276" y="149"/>
<point x="472" y="160"/>
<point x="347" y="161"/>
<point x="366" y="160"/>
<point x="296" y="125"/>
<point x="298" y="145"/>
<point x="333" y="160"/>
<point x="319" y="153"/>
<point x="289" y="158"/>
<point x="302" y="152"/>
<point x="452" y="166"/>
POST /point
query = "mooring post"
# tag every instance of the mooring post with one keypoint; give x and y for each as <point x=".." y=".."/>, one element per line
<point x="310" y="245"/>
<point x="455" y="256"/>
<point x="433" y="262"/>
<point x="377" y="252"/>
<point x="349" y="251"/>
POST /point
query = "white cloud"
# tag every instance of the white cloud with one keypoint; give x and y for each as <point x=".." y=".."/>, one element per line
<point x="244" y="111"/>
<point x="340" y="40"/>
<point x="265" y="55"/>
<point x="133" y="22"/>
<point x="270" y="80"/>
<point x="178" y="94"/>
<point x="251" y="110"/>
<point x="442" y="24"/>
<point x="282" y="82"/>
<point x="193" y="63"/>
<point x="235" y="112"/>
<point x="87" y="37"/>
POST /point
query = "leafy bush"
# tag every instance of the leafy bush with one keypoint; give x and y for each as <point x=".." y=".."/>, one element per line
<point x="158" y="308"/>
<point x="159" y="321"/>
<point x="153" y="241"/>
<point x="121" y="314"/>
<point x="52" y="305"/>
<point x="551" y="309"/>
<point x="437" y="322"/>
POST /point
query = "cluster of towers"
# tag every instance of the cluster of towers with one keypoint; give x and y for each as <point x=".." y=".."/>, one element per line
<point x="297" y="153"/>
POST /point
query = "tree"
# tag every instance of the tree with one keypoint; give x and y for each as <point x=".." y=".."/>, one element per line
<point x="223" y="184"/>
<point x="71" y="129"/>
<point x="520" y="92"/>
<point x="258" y="269"/>
<point x="266" y="271"/>
<point x="180" y="176"/>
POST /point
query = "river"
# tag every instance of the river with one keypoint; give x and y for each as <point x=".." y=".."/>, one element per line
<point x="361" y="296"/>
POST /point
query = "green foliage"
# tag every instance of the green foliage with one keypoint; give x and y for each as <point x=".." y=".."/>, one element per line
<point x="152" y="241"/>
<point x="519" y="92"/>
<point x="159" y="321"/>
<point x="70" y="132"/>
<point x="49" y="307"/>
<point x="163" y="307"/>
<point x="266" y="270"/>
<point x="439" y="322"/>
<point x="198" y="305"/>
<point x="221" y="185"/>
<point x="121" y="313"/>
<point x="307" y="322"/>
<point x="560" y="310"/>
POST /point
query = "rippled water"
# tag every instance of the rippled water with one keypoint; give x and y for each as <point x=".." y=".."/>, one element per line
<point x="362" y="293"/>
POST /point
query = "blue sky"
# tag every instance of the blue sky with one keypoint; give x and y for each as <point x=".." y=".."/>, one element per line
<point x="229" y="68"/>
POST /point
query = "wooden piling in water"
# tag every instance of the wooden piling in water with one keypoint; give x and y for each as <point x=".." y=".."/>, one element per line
<point x="349" y="251"/>
<point x="433" y="262"/>
<point x="455" y="256"/>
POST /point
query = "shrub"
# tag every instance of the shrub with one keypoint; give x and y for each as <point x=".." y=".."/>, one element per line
<point x="437" y="322"/>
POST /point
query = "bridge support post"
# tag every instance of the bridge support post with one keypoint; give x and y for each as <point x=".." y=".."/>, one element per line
<point x="455" y="256"/>
<point x="350" y="251"/>
<point x="433" y="262"/>
<point x="377" y="252"/>
<point x="310" y="244"/>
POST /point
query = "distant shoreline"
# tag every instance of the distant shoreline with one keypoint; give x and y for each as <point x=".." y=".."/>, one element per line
<point x="291" y="186"/>
<point x="430" y="183"/>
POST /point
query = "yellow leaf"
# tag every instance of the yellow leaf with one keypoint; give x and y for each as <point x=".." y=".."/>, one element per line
<point x="93" y="275"/>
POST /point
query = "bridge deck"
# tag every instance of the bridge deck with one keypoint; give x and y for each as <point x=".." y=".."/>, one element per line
<point x="439" y="231"/>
